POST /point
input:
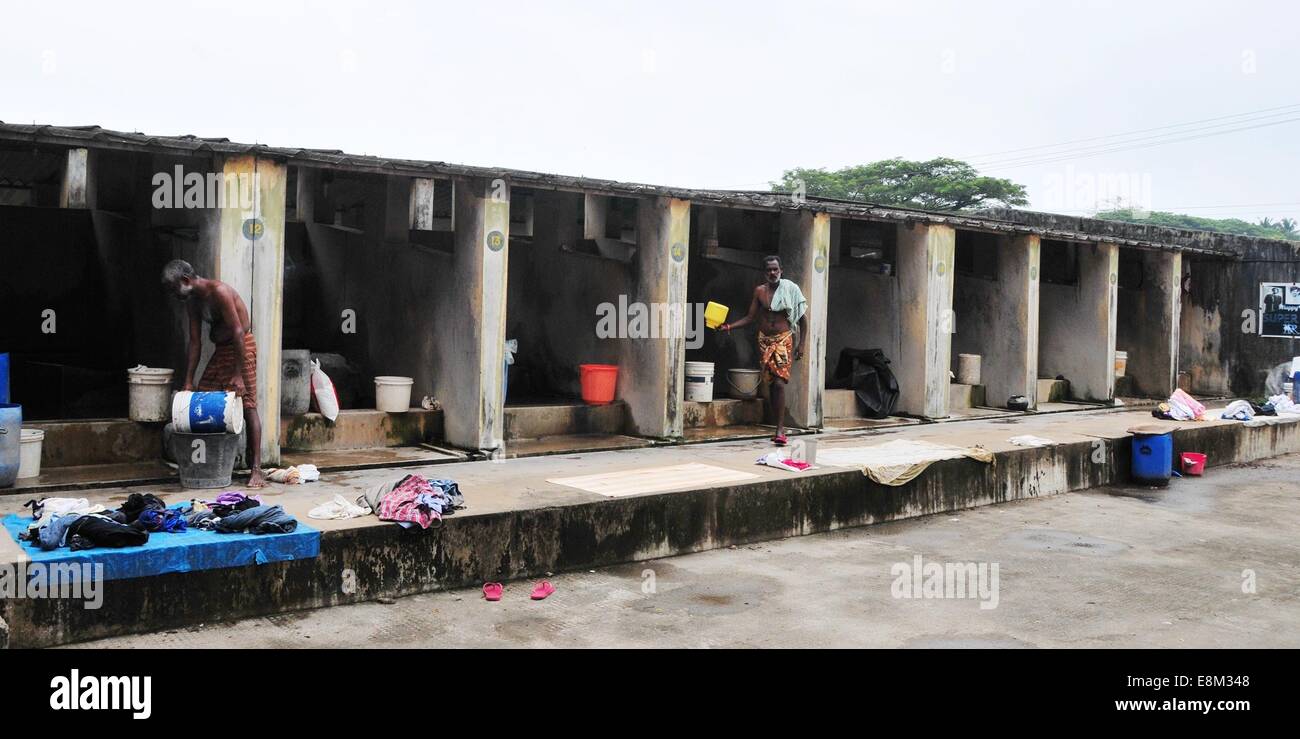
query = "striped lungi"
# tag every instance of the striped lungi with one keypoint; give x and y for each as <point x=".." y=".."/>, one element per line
<point x="221" y="369"/>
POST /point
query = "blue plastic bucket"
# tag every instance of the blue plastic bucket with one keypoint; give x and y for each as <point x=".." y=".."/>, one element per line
<point x="4" y="377"/>
<point x="11" y="440"/>
<point x="1153" y="458"/>
<point x="207" y="413"/>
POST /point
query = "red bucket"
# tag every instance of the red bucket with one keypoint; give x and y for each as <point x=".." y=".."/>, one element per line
<point x="598" y="382"/>
<point x="1193" y="463"/>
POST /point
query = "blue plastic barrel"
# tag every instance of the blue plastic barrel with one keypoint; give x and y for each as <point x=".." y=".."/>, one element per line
<point x="1153" y="458"/>
<point x="4" y="377"/>
<point x="11" y="435"/>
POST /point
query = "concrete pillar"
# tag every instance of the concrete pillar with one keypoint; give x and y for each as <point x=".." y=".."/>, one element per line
<point x="926" y="322"/>
<point x="805" y="258"/>
<point x="249" y="256"/>
<point x="78" y="187"/>
<point x="652" y="371"/>
<point x="1093" y="331"/>
<point x="1010" y="359"/>
<point x="1152" y="321"/>
<point x="420" y="215"/>
<point x="469" y="373"/>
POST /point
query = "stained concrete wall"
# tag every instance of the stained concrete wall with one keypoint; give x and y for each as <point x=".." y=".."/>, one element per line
<point x="805" y="259"/>
<point x="1220" y="345"/>
<point x="552" y="302"/>
<point x="925" y="275"/>
<point x="998" y="320"/>
<point x="1077" y="323"/>
<point x="862" y="313"/>
<point x="1149" y="323"/>
<point x="652" y="371"/>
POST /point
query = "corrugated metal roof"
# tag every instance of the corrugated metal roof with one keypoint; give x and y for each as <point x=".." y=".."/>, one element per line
<point x="999" y="222"/>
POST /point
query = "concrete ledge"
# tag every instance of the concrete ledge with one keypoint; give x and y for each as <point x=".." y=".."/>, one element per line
<point x="558" y="419"/>
<point x="722" y="412"/>
<point x="1053" y="391"/>
<point x="370" y="561"/>
<point x="840" y="404"/>
<point x="360" y="429"/>
<point x="965" y="396"/>
<point x="104" y="441"/>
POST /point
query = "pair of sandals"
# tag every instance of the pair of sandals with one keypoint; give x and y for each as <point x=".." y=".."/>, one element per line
<point x="492" y="590"/>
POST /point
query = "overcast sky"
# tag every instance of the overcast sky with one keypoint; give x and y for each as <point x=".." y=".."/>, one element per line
<point x="702" y="93"/>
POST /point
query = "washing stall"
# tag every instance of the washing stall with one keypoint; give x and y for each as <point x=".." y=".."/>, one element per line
<point x="994" y="323"/>
<point x="573" y="314"/>
<point x="1078" y="300"/>
<point x="80" y="303"/>
<point x="365" y="277"/>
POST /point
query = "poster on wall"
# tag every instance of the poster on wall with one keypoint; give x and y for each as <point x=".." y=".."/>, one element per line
<point x="1279" y="306"/>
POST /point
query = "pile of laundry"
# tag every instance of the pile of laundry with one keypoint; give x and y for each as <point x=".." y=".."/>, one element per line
<point x="410" y="501"/>
<point x="233" y="513"/>
<point x="1180" y="407"/>
<point x="78" y="525"/>
<point x="1244" y="410"/>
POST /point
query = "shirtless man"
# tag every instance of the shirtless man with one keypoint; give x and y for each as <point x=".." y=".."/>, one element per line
<point x="777" y="306"/>
<point x="233" y="366"/>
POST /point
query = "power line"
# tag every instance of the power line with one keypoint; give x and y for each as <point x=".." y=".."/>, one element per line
<point x="1141" y="130"/>
<point x="1111" y="146"/>
<point x="1064" y="156"/>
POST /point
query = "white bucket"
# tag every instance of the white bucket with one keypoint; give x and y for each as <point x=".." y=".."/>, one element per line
<point x="151" y="393"/>
<point x="29" y="459"/>
<point x="1121" y="363"/>
<point x="744" y="382"/>
<point x="393" y="394"/>
<point x="968" y="369"/>
<point x="699" y="382"/>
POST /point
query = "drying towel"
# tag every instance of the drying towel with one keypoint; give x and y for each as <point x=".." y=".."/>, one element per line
<point x="897" y="462"/>
<point x="789" y="299"/>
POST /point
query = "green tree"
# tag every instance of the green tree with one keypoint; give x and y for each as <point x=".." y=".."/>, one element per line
<point x="937" y="184"/>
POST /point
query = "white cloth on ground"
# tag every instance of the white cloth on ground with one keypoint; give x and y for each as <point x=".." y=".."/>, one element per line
<point x="339" y="508"/>
<point x="1030" y="440"/>
<point x="897" y="462"/>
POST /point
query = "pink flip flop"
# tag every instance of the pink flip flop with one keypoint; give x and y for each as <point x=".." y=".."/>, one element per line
<point x="543" y="589"/>
<point x="780" y="440"/>
<point x="492" y="590"/>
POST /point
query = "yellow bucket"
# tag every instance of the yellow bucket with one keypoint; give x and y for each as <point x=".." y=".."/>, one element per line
<point x="715" y="314"/>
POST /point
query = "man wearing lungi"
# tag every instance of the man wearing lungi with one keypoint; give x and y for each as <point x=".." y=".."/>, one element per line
<point x="233" y="365"/>
<point x="778" y="306"/>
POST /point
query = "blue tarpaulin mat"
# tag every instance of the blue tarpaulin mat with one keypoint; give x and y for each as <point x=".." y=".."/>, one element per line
<point x="190" y="551"/>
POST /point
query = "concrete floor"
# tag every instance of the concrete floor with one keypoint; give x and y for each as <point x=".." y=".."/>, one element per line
<point x="1113" y="567"/>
